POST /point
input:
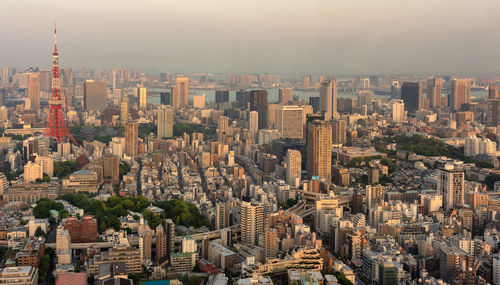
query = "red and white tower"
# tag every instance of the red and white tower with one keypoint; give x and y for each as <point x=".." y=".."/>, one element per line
<point x="56" y="126"/>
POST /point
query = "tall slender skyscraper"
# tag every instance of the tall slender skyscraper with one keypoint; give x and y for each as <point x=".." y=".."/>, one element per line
<point x="293" y="167"/>
<point x="285" y="95"/>
<point x="124" y="111"/>
<point x="398" y="111"/>
<point x="411" y="94"/>
<point x="493" y="106"/>
<point x="221" y="96"/>
<point x="319" y="149"/>
<point x="459" y="93"/>
<point x="328" y="99"/>
<point x="161" y="243"/>
<point x="165" y="122"/>
<point x="34" y="90"/>
<point x="143" y="96"/>
<point x="223" y="128"/>
<point x="434" y="85"/>
<point x="259" y="103"/>
<point x="339" y="131"/>
<point x="252" y="222"/>
<point x="253" y="121"/>
<point x="132" y="138"/>
<point x="180" y="92"/>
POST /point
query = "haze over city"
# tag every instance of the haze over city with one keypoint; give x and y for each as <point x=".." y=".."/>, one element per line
<point x="286" y="37"/>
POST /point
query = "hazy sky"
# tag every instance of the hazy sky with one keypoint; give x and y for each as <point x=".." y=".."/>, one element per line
<point x="286" y="36"/>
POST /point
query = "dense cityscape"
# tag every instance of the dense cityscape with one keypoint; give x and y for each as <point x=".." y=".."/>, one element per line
<point x="122" y="176"/>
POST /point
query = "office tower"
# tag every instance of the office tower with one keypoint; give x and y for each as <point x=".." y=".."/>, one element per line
<point x="293" y="167"/>
<point x="314" y="102"/>
<point x="493" y="91"/>
<point x="434" y="92"/>
<point x="339" y="132"/>
<point x="163" y="77"/>
<point x="166" y="98"/>
<point x="199" y="101"/>
<point x="451" y="184"/>
<point x="271" y="243"/>
<point x="285" y="95"/>
<point x="47" y="163"/>
<point x="243" y="98"/>
<point x="459" y="93"/>
<point x="111" y="168"/>
<point x="131" y="139"/>
<point x="221" y="96"/>
<point x="328" y="99"/>
<point x="5" y="77"/>
<point x="258" y="102"/>
<point x="271" y="115"/>
<point x="493" y="115"/>
<point x="373" y="176"/>
<point x="253" y="121"/>
<point x="411" y="94"/>
<point x="145" y="242"/>
<point x="34" y="90"/>
<point x="364" y="97"/>
<point x="95" y="96"/>
<point x="374" y="195"/>
<point x="45" y="78"/>
<point x="319" y="150"/>
<point x="180" y="92"/>
<point x="161" y="243"/>
<point x="170" y="236"/>
<point x="454" y="265"/>
<point x="223" y="129"/>
<point x="165" y="122"/>
<point x="143" y="96"/>
<point x="398" y="111"/>
<point x="124" y="111"/>
<point x="67" y="77"/>
<point x="387" y="273"/>
<point x="252" y="222"/>
<point x="289" y="120"/>
<point x="32" y="172"/>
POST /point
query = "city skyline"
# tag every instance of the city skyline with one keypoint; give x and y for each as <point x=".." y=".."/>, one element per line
<point x="320" y="37"/>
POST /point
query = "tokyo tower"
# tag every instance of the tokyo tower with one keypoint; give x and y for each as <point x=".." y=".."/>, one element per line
<point x="56" y="126"/>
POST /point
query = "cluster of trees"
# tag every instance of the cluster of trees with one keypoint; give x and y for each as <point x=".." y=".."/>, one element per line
<point x="44" y="206"/>
<point x="107" y="213"/>
<point x="124" y="169"/>
<point x="490" y="180"/>
<point x="433" y="147"/>
<point x="182" y="213"/>
<point x="181" y="128"/>
<point x="341" y="278"/>
<point x="14" y="174"/>
<point x="44" y="267"/>
<point x="64" y="168"/>
<point x="288" y="204"/>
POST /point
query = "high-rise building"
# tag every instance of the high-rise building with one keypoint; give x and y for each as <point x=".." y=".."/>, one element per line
<point x="271" y="243"/>
<point x="411" y="94"/>
<point x="328" y="99"/>
<point x="319" y="149"/>
<point x="142" y="94"/>
<point x="243" y="98"/>
<point x="285" y="95"/>
<point x="493" y="115"/>
<point x="170" y="236"/>
<point x="166" y="98"/>
<point x="180" y="93"/>
<point x="132" y="139"/>
<point x="165" y="122"/>
<point x="451" y="184"/>
<point x="293" y="167"/>
<point x="34" y="90"/>
<point x="289" y="121"/>
<point x="434" y="85"/>
<point x="47" y="163"/>
<point x="111" y="168"/>
<point x="459" y="93"/>
<point x="252" y="222"/>
<point x="161" y="243"/>
<point x="5" y="77"/>
<point x="223" y="129"/>
<point x="253" y="121"/>
<point x="124" y="111"/>
<point x="339" y="132"/>
<point x="259" y="103"/>
<point x="222" y="211"/>
<point x="95" y="96"/>
<point x="314" y="102"/>
<point x="221" y="96"/>
<point x="145" y="242"/>
<point x="398" y="111"/>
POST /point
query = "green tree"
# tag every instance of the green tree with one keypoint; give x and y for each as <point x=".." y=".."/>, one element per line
<point x="40" y="233"/>
<point x="491" y="179"/>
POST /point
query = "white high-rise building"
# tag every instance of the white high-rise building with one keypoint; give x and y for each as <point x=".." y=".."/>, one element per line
<point x="293" y="167"/>
<point x="451" y="184"/>
<point x="188" y="245"/>
<point x="475" y="146"/>
<point x="143" y="96"/>
<point x="253" y="121"/>
<point x="32" y="172"/>
<point x="398" y="111"/>
<point x="328" y="99"/>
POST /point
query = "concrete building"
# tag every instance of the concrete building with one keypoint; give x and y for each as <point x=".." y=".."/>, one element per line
<point x="34" y="90"/>
<point x="293" y="167"/>
<point x="411" y="94"/>
<point x="451" y="184"/>
<point x="398" y="111"/>
<point x="252" y="222"/>
<point x="32" y="172"/>
<point x="319" y="150"/>
<point x="132" y="139"/>
<point x="199" y="101"/>
<point x="20" y="275"/>
<point x="95" y="96"/>
<point x="124" y="105"/>
<point x="165" y="122"/>
<point x="285" y="95"/>
<point x="328" y="99"/>
<point x="339" y="132"/>
<point x="253" y="121"/>
<point x="459" y="93"/>
<point x="180" y="93"/>
<point x="142" y="94"/>
<point x="289" y="121"/>
<point x="434" y="85"/>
